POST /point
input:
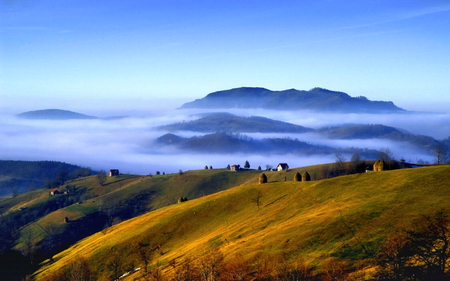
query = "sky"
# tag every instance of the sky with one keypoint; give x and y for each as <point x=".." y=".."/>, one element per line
<point x="137" y="56"/>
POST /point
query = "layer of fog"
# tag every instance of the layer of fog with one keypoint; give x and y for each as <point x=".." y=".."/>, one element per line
<point x="127" y="144"/>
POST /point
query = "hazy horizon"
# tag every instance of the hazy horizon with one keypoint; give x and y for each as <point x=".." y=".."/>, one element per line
<point x="127" y="144"/>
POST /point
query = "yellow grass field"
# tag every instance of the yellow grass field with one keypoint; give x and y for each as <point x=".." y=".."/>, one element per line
<point x="313" y="220"/>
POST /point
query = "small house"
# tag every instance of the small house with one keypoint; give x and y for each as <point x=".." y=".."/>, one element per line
<point x="235" y="167"/>
<point x="54" y="192"/>
<point x="282" y="167"/>
<point x="113" y="172"/>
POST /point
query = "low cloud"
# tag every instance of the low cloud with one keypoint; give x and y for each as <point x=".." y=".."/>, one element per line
<point x="128" y="144"/>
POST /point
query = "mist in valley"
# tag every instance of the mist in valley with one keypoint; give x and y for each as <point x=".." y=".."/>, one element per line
<point x="129" y="144"/>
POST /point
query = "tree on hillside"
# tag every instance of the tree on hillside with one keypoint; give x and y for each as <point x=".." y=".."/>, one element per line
<point x="247" y="165"/>
<point x="79" y="270"/>
<point x="29" y="245"/>
<point x="144" y="252"/>
<point x="101" y="177"/>
<point x="257" y="199"/>
<point x="210" y="266"/>
<point x="385" y="154"/>
<point x="339" y="165"/>
<point x="440" y="154"/>
<point x="115" y="263"/>
<point x="422" y="253"/>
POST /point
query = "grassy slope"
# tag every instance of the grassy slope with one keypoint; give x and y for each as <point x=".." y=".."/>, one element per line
<point x="313" y="220"/>
<point x="165" y="189"/>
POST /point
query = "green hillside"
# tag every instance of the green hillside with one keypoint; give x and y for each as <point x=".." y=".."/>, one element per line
<point x="82" y="207"/>
<point x="341" y="221"/>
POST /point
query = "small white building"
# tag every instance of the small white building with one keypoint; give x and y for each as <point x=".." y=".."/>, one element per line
<point x="282" y="167"/>
<point x="114" y="172"/>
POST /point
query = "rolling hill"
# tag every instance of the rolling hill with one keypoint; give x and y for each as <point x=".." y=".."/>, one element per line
<point x="22" y="176"/>
<point x="83" y="207"/>
<point x="54" y="114"/>
<point x="317" y="99"/>
<point x="222" y="142"/>
<point x="339" y="223"/>
<point x="60" y="114"/>
<point x="227" y="122"/>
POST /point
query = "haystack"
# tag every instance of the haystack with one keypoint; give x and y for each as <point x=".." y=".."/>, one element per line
<point x="297" y="177"/>
<point x="262" y="178"/>
<point x="306" y="177"/>
<point x="379" y="165"/>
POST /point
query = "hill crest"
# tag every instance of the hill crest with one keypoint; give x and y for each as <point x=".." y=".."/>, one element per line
<point x="316" y="99"/>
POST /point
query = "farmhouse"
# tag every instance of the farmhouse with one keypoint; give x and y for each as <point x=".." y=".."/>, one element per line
<point x="235" y="167"/>
<point x="113" y="172"/>
<point x="282" y="167"/>
<point x="54" y="192"/>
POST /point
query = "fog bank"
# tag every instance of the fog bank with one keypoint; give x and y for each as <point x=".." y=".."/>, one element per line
<point x="127" y="144"/>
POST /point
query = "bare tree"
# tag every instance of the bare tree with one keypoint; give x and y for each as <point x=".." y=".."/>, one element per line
<point x="144" y="252"/>
<point x="257" y="199"/>
<point x="115" y="263"/>
<point x="79" y="270"/>
<point x="440" y="154"/>
<point x="210" y="266"/>
<point x="101" y="177"/>
<point x="385" y="154"/>
<point x="29" y="243"/>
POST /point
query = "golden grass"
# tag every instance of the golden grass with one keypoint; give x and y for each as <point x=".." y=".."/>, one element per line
<point x="312" y="220"/>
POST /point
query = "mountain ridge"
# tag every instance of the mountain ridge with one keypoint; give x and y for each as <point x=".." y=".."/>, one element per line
<point x="316" y="99"/>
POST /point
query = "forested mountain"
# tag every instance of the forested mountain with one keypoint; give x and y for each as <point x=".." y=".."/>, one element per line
<point x="227" y="122"/>
<point x="227" y="143"/>
<point x="22" y="176"/>
<point x="316" y="99"/>
<point x="425" y="143"/>
<point x="226" y="136"/>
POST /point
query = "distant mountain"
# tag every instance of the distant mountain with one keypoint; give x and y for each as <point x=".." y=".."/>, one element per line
<point x="425" y="143"/>
<point x="316" y="99"/>
<point x="234" y="142"/>
<point x="358" y="131"/>
<point x="227" y="122"/>
<point x="54" y="114"/>
<point x="225" y="143"/>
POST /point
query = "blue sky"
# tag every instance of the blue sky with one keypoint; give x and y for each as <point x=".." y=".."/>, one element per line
<point x="98" y="55"/>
